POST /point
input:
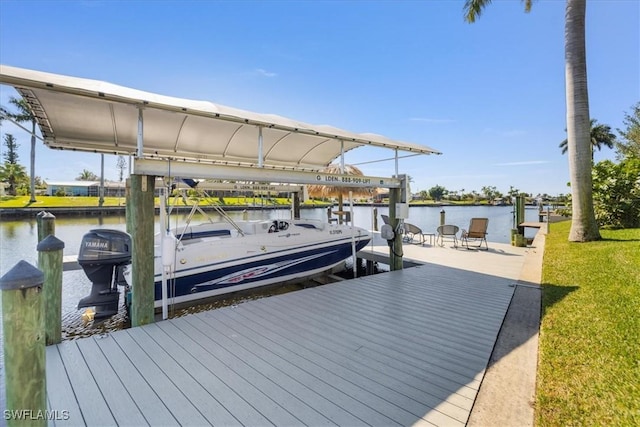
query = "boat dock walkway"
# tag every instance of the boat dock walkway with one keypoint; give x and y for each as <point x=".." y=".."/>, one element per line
<point x="409" y="347"/>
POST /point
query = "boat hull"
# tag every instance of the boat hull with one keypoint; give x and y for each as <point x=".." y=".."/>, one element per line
<point x="279" y="266"/>
<point x="221" y="263"/>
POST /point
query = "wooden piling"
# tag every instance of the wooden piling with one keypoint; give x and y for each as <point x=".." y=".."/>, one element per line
<point x="296" y="205"/>
<point x="519" y="208"/>
<point x="50" y="262"/>
<point x="24" y="345"/>
<point x="518" y="239"/>
<point x="39" y="216"/>
<point x="46" y="225"/>
<point x="140" y="225"/>
<point x="395" y="250"/>
<point x="442" y="217"/>
<point x="375" y="219"/>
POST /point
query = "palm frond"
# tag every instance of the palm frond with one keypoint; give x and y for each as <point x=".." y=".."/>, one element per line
<point x="473" y="9"/>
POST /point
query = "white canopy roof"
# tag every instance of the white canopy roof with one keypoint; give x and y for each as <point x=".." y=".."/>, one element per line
<point x="89" y="115"/>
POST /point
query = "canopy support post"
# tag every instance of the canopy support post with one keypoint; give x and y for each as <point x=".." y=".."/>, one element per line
<point x="353" y="237"/>
<point x="396" y="160"/>
<point x="163" y="231"/>
<point x="340" y="196"/>
<point x="139" y="145"/>
<point x="260" y="148"/>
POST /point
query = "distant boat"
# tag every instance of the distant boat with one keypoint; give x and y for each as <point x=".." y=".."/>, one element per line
<point x="219" y="257"/>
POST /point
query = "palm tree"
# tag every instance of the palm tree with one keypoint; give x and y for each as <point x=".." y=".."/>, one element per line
<point x="87" y="175"/>
<point x="600" y="135"/>
<point x="13" y="174"/>
<point x="584" y="227"/>
<point x="23" y="115"/>
<point x="11" y="171"/>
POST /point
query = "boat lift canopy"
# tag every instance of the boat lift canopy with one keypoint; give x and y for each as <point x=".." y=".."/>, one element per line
<point x="162" y="132"/>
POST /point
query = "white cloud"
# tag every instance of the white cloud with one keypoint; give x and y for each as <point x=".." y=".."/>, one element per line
<point x="523" y="163"/>
<point x="265" y="73"/>
<point x="430" y="120"/>
<point x="505" y="132"/>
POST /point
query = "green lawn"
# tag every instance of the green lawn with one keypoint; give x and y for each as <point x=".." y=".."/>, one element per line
<point x="589" y="358"/>
<point x="54" y="201"/>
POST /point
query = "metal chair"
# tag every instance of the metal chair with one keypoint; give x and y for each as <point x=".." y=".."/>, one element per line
<point x="447" y="231"/>
<point x="412" y="231"/>
<point x="477" y="231"/>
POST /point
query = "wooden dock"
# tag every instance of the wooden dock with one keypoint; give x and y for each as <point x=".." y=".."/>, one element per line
<point x="400" y="348"/>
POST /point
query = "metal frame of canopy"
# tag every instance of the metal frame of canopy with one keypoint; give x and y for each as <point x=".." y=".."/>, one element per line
<point x="195" y="139"/>
<point x="89" y="115"/>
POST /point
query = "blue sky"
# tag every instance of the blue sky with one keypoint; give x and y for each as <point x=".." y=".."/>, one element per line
<point x="489" y="95"/>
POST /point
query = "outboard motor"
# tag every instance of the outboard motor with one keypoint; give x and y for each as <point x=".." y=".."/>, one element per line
<point x="103" y="255"/>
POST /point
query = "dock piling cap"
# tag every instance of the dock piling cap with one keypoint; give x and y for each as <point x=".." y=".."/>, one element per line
<point x="50" y="243"/>
<point x="22" y="276"/>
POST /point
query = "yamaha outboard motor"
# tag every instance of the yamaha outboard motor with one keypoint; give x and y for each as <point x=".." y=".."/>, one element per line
<point x="103" y="255"/>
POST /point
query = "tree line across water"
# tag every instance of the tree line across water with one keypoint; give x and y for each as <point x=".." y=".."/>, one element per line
<point x="616" y="185"/>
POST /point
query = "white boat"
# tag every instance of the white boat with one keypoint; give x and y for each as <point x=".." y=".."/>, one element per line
<point x="217" y="258"/>
<point x="221" y="257"/>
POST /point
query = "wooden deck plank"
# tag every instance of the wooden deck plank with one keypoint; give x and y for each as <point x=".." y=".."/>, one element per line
<point x="371" y="299"/>
<point x="274" y="402"/>
<point x="319" y="385"/>
<point x="324" y="364"/>
<point x="207" y="393"/>
<point x="387" y="319"/>
<point x="403" y="348"/>
<point x="306" y="341"/>
<point x="296" y="394"/>
<point x="324" y="331"/>
<point x="150" y="368"/>
<point x="60" y="394"/>
<point x="116" y="396"/>
<point x="234" y="393"/>
<point x="441" y="294"/>
<point x="93" y="408"/>
<point x="153" y="409"/>
<point x="352" y="300"/>
<point x="321" y="331"/>
<point x="370" y="336"/>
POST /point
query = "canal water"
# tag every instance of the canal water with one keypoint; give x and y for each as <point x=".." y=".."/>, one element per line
<point x="18" y="241"/>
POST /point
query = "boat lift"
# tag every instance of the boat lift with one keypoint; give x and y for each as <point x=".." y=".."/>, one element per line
<point x="170" y="136"/>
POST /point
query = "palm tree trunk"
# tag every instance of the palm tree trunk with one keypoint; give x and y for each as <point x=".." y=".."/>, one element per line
<point x="583" y="223"/>
<point x="33" y="162"/>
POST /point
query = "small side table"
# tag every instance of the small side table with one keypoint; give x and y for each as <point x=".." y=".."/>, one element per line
<point x="432" y="238"/>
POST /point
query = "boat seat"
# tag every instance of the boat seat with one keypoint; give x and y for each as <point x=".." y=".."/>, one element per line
<point x="307" y="225"/>
<point x="207" y="233"/>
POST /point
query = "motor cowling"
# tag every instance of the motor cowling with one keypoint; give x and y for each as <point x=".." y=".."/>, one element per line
<point x="103" y="254"/>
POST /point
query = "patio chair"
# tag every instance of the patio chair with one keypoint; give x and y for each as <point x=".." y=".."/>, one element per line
<point x="447" y="231"/>
<point x="477" y="232"/>
<point x="411" y="232"/>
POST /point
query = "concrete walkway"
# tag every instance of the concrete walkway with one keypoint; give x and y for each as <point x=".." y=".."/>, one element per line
<point x="507" y="393"/>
